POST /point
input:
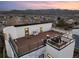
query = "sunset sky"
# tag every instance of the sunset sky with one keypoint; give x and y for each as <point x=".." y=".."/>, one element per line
<point x="23" y="5"/>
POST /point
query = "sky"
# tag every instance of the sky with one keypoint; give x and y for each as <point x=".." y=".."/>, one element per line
<point x="24" y="5"/>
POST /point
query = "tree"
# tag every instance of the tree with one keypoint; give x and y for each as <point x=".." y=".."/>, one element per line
<point x="61" y="22"/>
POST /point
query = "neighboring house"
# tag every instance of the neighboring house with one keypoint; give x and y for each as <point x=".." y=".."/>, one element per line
<point x="38" y="41"/>
<point x="17" y="20"/>
<point x="70" y="21"/>
<point x="14" y="20"/>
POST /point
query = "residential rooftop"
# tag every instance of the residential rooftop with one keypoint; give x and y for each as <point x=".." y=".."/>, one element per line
<point x="29" y="43"/>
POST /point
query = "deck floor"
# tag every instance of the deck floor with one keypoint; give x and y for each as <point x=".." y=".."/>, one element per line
<point x="30" y="42"/>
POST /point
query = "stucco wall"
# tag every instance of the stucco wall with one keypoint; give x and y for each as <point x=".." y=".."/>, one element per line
<point x="10" y="30"/>
<point x="34" y="54"/>
<point x="51" y="51"/>
<point x="66" y="52"/>
<point x="21" y="30"/>
<point x="9" y="49"/>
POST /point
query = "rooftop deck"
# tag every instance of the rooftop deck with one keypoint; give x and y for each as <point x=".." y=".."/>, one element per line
<point x="30" y="43"/>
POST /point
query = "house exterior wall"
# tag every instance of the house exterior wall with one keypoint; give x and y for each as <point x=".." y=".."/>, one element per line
<point x="21" y="30"/>
<point x="10" y="30"/>
<point x="51" y="51"/>
<point x="9" y="50"/>
<point x="17" y="32"/>
<point x="35" y="54"/>
<point x="66" y="52"/>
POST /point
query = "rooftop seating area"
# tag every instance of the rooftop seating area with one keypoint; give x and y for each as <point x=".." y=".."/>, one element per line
<point x="59" y="42"/>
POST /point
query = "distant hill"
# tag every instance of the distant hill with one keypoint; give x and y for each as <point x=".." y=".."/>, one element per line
<point x="42" y="11"/>
<point x="56" y="12"/>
